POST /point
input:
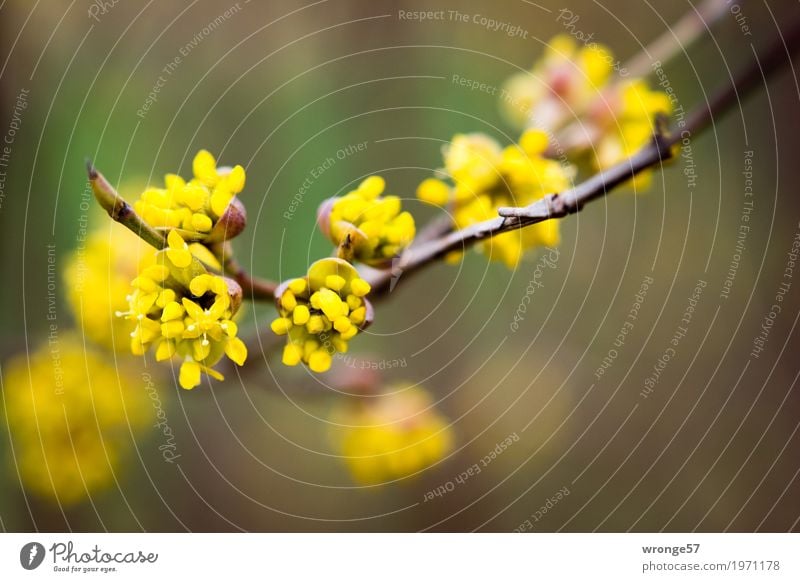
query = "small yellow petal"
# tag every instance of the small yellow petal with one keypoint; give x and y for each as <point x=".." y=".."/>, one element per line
<point x="192" y="308"/>
<point x="156" y="272"/>
<point x="309" y="347"/>
<point x="281" y="325"/>
<point x="189" y="375"/>
<point x="341" y="324"/>
<point x="372" y="187"/>
<point x="433" y="191"/>
<point x="204" y="167"/>
<point x="350" y="333"/>
<point x="315" y="324"/>
<point x="220" y="200"/>
<point x="534" y="142"/>
<point x="174" y="182"/>
<point x="201" y="222"/>
<point x="231" y="329"/>
<point x="292" y="354"/>
<point x="320" y="361"/>
<point x="360" y="287"/>
<point x="180" y="258"/>
<point x="236" y="350"/>
<point x="288" y="300"/>
<point x="357" y="316"/>
<point x="175" y="240"/>
<point x="298" y="286"/>
<point x="335" y="282"/>
<point x="200" y="349"/>
<point x="340" y="344"/>
<point x="146" y="284"/>
<point x="165" y="350"/>
<point x="301" y="315"/>
<point x="204" y="255"/>
<point x="330" y="303"/>
<point x="172" y="310"/>
<point x="235" y="179"/>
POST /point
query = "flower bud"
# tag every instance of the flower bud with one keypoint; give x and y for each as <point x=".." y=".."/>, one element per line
<point x="367" y="226"/>
<point x="230" y="224"/>
<point x="321" y="312"/>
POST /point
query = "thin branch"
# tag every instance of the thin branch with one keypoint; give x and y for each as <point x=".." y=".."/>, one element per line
<point x="677" y="37"/>
<point x="436" y="228"/>
<point x="120" y="211"/>
<point x="573" y="200"/>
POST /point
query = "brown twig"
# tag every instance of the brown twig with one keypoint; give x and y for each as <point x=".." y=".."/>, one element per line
<point x="120" y="211"/>
<point x="677" y="37"/>
<point x="573" y="200"/>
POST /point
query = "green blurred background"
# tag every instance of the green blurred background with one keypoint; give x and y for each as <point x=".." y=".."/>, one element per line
<point x="281" y="86"/>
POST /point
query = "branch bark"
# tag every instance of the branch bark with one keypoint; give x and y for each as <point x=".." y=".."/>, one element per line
<point x="120" y="211"/>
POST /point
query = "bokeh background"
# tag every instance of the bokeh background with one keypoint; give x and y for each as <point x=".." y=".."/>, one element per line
<point x="280" y="87"/>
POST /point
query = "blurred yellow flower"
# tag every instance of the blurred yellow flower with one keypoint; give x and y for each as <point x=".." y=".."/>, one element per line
<point x="486" y="177"/>
<point x="72" y="418"/>
<point x="614" y="117"/>
<point x="98" y="276"/>
<point x="391" y="436"/>
<point x="375" y="226"/>
<point x="560" y="86"/>
<point x="205" y="208"/>
<point x="627" y="123"/>
<point x="321" y="312"/>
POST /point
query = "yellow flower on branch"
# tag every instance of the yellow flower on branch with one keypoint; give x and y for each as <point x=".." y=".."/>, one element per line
<point x="72" y="417"/>
<point x="321" y="312"/>
<point x="486" y="177"/>
<point x="391" y="436"/>
<point x="626" y="123"/>
<point x="182" y="311"/>
<point x="571" y="92"/>
<point x="367" y="226"/>
<point x="203" y="209"/>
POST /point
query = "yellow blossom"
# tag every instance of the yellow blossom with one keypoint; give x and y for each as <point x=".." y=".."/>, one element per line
<point x="321" y="312"/>
<point x="626" y="123"/>
<point x="392" y="436"/>
<point x="71" y="416"/>
<point x="368" y="226"/>
<point x="560" y="86"/>
<point x="486" y="177"/>
<point x="98" y="276"/>
<point x="182" y="311"/>
<point x="613" y="117"/>
<point x="205" y="208"/>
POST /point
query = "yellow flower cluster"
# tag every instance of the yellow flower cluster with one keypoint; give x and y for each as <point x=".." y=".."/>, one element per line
<point x="626" y="123"/>
<point x="395" y="435"/>
<point x="615" y="117"/>
<point x="560" y="86"/>
<point x="486" y="177"/>
<point x="374" y="227"/>
<point x="321" y="312"/>
<point x="198" y="206"/>
<point x="181" y="310"/>
<point x="98" y="277"/>
<point x="71" y="416"/>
